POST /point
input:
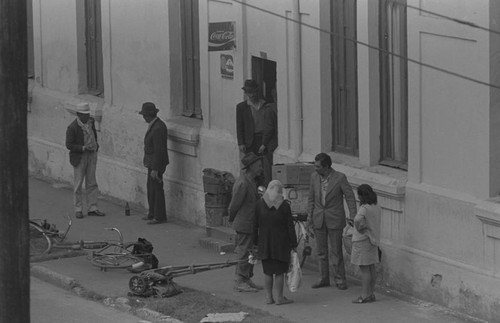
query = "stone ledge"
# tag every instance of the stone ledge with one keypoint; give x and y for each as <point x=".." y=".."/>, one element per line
<point x="184" y="135"/>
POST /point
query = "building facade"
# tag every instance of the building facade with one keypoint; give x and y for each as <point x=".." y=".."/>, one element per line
<point x="404" y="95"/>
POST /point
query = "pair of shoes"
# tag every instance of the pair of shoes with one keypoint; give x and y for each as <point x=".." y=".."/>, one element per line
<point x="342" y="286"/>
<point x="155" y="221"/>
<point x="361" y="300"/>
<point x="284" y="301"/>
<point x="320" y="285"/>
<point x="244" y="287"/>
<point x="96" y="213"/>
<point x="79" y="215"/>
<point x="269" y="300"/>
<point x="253" y="285"/>
<point x="147" y="218"/>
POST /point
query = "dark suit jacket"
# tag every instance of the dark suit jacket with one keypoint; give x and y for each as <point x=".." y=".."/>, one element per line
<point x="332" y="212"/>
<point x="242" y="205"/>
<point x="75" y="141"/>
<point x="245" y="126"/>
<point x="155" y="146"/>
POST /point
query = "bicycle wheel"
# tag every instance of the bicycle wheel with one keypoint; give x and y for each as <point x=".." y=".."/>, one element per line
<point x="115" y="261"/>
<point x="40" y="243"/>
<point x="303" y="248"/>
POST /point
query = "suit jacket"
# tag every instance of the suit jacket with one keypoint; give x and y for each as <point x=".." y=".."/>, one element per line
<point x="155" y="146"/>
<point x="245" y="126"/>
<point x="75" y="141"/>
<point x="242" y="206"/>
<point x="332" y="213"/>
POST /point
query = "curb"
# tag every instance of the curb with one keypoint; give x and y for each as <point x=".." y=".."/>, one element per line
<point x="119" y="303"/>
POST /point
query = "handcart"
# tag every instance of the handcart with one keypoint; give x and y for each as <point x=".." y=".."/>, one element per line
<point x="159" y="282"/>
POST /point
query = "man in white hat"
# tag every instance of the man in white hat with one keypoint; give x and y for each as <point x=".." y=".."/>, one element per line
<point x="81" y="140"/>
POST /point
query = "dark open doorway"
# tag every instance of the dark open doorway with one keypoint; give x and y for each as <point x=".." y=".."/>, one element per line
<point x="264" y="72"/>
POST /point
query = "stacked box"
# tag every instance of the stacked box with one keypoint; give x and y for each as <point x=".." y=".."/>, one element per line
<point x="298" y="198"/>
<point x="293" y="174"/>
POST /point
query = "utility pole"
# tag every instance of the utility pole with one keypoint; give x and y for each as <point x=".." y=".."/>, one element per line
<point x="14" y="237"/>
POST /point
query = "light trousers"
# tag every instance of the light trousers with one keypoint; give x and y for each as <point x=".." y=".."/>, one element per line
<point x="85" y="171"/>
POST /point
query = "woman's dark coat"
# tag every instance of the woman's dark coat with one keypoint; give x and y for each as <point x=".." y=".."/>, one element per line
<point x="274" y="232"/>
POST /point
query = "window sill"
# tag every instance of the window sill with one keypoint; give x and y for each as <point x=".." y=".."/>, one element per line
<point x="488" y="211"/>
<point x="184" y="135"/>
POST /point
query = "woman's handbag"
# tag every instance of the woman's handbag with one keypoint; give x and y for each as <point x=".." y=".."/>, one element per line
<point x="294" y="274"/>
<point x="347" y="238"/>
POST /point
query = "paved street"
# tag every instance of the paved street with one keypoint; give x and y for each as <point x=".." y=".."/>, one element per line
<point x="51" y="304"/>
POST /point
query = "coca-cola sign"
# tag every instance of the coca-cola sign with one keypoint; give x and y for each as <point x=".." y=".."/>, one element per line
<point x="221" y="36"/>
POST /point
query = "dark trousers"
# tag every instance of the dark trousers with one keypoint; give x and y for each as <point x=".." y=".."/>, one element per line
<point x="329" y="246"/>
<point x="156" y="198"/>
<point x="267" y="161"/>
<point x="244" y="243"/>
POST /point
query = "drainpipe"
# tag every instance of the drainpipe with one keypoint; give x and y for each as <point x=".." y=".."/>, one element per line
<point x="298" y="79"/>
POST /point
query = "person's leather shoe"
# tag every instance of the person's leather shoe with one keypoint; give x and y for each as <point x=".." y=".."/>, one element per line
<point x="96" y="213"/>
<point x="79" y="215"/>
<point x="146" y="218"/>
<point x="254" y="285"/>
<point x="155" y="221"/>
<point x="320" y="285"/>
<point x="245" y="288"/>
<point x="342" y="286"/>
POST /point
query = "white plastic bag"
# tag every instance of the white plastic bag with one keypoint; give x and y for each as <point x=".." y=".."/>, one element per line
<point x="294" y="274"/>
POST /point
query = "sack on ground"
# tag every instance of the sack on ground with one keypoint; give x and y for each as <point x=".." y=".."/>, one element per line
<point x="294" y="274"/>
<point x="347" y="238"/>
<point x="144" y="250"/>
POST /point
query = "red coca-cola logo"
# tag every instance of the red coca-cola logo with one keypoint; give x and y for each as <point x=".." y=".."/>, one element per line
<point x="222" y="35"/>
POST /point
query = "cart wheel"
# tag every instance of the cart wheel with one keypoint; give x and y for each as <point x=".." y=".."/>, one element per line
<point x="137" y="285"/>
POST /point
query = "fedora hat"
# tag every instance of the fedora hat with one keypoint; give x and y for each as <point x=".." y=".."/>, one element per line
<point x="250" y="86"/>
<point x="249" y="159"/>
<point x="83" y="108"/>
<point x="148" y="108"/>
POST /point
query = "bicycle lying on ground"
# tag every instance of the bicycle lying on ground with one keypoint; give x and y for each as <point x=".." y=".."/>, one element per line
<point x="304" y="233"/>
<point x="44" y="235"/>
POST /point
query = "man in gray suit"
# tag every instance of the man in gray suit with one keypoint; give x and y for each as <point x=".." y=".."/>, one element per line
<point x="327" y="191"/>
<point x="241" y="215"/>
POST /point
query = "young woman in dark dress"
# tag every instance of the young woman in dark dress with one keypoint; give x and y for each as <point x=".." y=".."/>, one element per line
<point x="275" y="236"/>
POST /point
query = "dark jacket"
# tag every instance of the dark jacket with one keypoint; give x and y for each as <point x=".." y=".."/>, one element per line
<point x="155" y="146"/>
<point x="245" y="126"/>
<point x="242" y="205"/>
<point x="332" y="213"/>
<point x="75" y="141"/>
<point x="274" y="232"/>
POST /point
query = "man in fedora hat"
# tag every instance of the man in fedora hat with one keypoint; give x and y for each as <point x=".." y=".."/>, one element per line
<point x="156" y="161"/>
<point x="241" y="215"/>
<point x="256" y="127"/>
<point x="81" y="141"/>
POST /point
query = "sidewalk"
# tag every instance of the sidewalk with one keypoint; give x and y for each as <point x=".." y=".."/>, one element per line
<point x="176" y="243"/>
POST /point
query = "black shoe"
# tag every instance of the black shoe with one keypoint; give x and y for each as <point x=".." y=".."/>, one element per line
<point x="342" y="286"/>
<point x="155" y="221"/>
<point x="96" y="213"/>
<point x="320" y="285"/>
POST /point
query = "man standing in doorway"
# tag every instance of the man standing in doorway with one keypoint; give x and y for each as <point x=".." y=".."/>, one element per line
<point x="327" y="191"/>
<point x="256" y="131"/>
<point x="241" y="215"/>
<point x="81" y="141"/>
<point x="156" y="161"/>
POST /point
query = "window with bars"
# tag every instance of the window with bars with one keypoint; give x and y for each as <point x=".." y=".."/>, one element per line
<point x="93" y="46"/>
<point x="190" y="58"/>
<point x="393" y="84"/>
<point x="344" y="80"/>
